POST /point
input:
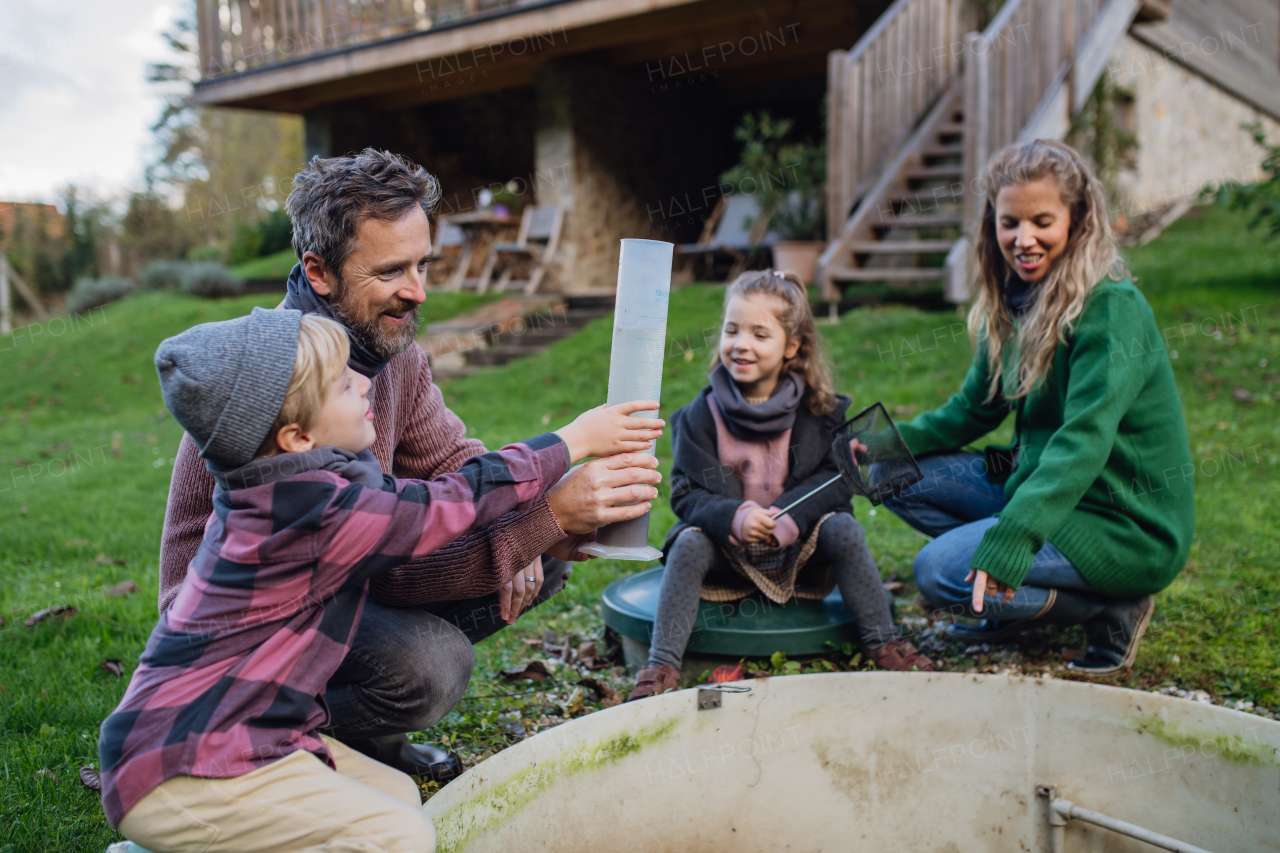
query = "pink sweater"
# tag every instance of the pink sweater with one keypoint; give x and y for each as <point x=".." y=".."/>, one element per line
<point x="418" y="438"/>
<point x="762" y="466"/>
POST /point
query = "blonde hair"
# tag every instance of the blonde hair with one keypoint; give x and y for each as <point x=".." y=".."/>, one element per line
<point x="1058" y="299"/>
<point x="797" y="321"/>
<point x="323" y="351"/>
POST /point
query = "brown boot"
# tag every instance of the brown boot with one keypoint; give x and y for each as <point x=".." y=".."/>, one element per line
<point x="653" y="680"/>
<point x="899" y="656"/>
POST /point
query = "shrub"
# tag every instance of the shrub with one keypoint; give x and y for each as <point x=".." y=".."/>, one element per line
<point x="161" y="275"/>
<point x="90" y="293"/>
<point x="211" y="281"/>
<point x="270" y="233"/>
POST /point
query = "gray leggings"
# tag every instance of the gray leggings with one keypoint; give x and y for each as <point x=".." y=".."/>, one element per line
<point x="840" y="541"/>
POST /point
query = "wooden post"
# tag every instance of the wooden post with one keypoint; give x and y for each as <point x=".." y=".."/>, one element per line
<point x="6" y="304"/>
<point x="977" y="93"/>
<point x="837" y="77"/>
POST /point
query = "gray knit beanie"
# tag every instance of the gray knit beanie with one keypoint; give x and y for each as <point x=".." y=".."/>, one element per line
<point x="226" y="382"/>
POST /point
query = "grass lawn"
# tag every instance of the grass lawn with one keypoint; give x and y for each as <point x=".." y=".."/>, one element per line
<point x="268" y="268"/>
<point x="88" y="450"/>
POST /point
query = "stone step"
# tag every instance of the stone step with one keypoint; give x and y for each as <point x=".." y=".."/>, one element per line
<point x="935" y="173"/>
<point x="887" y="273"/>
<point x="900" y="247"/>
<point x="943" y="151"/>
<point x="928" y="220"/>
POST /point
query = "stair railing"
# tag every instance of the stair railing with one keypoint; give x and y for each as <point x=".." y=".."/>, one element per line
<point x="1028" y="73"/>
<point x="881" y="89"/>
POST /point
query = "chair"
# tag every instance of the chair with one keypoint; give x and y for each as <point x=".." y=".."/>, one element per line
<point x="727" y="231"/>
<point x="450" y="236"/>
<point x="539" y="235"/>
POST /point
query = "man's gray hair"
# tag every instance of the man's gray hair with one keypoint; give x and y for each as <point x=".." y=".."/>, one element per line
<point x="330" y="198"/>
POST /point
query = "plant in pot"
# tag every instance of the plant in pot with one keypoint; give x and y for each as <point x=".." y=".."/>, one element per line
<point x="788" y="179"/>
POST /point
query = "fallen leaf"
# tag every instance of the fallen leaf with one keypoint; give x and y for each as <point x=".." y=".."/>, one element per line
<point x="61" y="611"/>
<point x="90" y="778"/>
<point x="122" y="589"/>
<point x="46" y="773"/>
<point x="103" y="560"/>
<point x="113" y="666"/>
<point x="586" y="650"/>
<point x="604" y="692"/>
<point x="19" y="462"/>
<point x="574" y="705"/>
<point x="760" y="673"/>
<point x="895" y="586"/>
<point x="535" y="670"/>
<point x="1243" y="395"/>
<point x="723" y="674"/>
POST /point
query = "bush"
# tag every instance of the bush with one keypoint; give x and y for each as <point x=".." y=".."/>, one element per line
<point x="270" y="233"/>
<point x="161" y="275"/>
<point x="90" y="293"/>
<point x="211" y="281"/>
<point x="205" y="253"/>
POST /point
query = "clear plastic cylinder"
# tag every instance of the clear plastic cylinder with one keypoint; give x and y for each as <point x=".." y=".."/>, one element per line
<point x="635" y="367"/>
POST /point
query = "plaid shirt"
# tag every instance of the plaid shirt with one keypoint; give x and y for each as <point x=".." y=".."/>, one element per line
<point x="232" y="676"/>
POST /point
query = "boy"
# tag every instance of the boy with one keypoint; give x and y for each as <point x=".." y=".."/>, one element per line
<point x="215" y="746"/>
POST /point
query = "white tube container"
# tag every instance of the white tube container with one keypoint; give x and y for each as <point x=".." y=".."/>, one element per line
<point x="635" y="367"/>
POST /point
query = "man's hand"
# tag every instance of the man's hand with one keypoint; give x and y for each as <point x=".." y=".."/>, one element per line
<point x="518" y="593"/>
<point x="758" y="526"/>
<point x="597" y="493"/>
<point x="982" y="584"/>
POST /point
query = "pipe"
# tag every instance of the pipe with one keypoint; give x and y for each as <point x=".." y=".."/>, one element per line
<point x="1061" y="811"/>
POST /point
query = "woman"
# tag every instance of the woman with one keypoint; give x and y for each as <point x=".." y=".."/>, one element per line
<point x="1091" y="509"/>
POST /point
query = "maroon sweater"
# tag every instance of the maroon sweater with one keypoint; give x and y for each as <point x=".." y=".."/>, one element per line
<point x="419" y="439"/>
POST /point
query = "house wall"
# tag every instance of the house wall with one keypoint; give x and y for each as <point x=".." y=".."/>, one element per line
<point x="1188" y="130"/>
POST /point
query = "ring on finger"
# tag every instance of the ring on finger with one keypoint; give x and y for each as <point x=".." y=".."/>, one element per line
<point x="528" y="579"/>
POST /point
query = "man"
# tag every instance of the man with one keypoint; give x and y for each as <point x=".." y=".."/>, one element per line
<point x="361" y="232"/>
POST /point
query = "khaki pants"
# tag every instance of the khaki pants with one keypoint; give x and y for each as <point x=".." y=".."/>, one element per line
<point x="294" y="804"/>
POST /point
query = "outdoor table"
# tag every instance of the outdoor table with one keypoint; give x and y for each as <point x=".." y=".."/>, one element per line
<point x="477" y="226"/>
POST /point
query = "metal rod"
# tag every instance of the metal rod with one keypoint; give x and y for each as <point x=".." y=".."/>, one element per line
<point x="800" y="500"/>
<point x="1066" y="810"/>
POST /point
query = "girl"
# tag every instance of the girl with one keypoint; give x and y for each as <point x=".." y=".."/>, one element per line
<point x="1094" y="497"/>
<point x="756" y="439"/>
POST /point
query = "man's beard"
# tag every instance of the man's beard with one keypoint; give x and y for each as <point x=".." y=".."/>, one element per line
<point x="363" y="320"/>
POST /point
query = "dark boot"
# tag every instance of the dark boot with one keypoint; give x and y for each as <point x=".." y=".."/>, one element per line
<point x="1113" y="635"/>
<point x="1063" y="607"/>
<point x="416" y="759"/>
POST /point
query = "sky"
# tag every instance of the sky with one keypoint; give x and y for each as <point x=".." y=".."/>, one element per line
<point x="75" y="106"/>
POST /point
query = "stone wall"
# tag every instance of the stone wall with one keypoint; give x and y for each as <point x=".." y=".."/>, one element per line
<point x="1189" y="130"/>
<point x="621" y="153"/>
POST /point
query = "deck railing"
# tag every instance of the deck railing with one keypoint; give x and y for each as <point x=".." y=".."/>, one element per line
<point x="1029" y="72"/>
<point x="238" y="35"/>
<point x="879" y="90"/>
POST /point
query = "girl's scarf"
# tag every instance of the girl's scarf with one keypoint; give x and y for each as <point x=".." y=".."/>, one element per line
<point x="772" y="416"/>
<point x="302" y="297"/>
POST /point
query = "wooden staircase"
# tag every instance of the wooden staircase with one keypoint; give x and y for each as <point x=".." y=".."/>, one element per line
<point x="904" y="149"/>
<point x="902" y="243"/>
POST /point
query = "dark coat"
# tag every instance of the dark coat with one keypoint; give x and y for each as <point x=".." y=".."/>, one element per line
<point x="707" y="494"/>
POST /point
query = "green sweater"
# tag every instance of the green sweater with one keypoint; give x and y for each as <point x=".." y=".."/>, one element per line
<point x="1104" y="469"/>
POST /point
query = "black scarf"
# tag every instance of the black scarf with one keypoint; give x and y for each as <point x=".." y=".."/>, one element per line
<point x="361" y="468"/>
<point x="770" y="417"/>
<point x="302" y="297"/>
<point x="1018" y="294"/>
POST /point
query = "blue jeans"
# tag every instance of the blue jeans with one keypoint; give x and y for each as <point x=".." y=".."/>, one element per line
<point x="955" y="503"/>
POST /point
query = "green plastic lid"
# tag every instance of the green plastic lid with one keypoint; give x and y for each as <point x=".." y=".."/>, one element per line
<point x="751" y="627"/>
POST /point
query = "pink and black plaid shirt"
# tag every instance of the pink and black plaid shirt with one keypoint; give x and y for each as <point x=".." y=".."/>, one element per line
<point x="232" y="676"/>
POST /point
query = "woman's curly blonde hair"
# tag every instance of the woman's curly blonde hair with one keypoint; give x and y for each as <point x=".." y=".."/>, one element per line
<point x="1058" y="299"/>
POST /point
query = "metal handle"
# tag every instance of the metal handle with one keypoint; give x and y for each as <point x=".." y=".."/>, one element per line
<point x="795" y="503"/>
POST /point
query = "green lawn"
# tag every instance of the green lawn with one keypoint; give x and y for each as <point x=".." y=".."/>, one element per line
<point x="87" y="453"/>
<point x="269" y="268"/>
